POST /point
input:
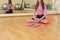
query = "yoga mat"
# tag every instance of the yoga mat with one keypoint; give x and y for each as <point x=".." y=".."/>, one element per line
<point x="50" y="20"/>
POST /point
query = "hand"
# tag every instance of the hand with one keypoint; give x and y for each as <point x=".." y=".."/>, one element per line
<point x="36" y="19"/>
<point x="45" y="21"/>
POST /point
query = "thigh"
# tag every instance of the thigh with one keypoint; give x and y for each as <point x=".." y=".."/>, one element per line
<point x="44" y="21"/>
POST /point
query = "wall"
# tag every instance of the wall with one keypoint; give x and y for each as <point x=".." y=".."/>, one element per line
<point x="19" y="1"/>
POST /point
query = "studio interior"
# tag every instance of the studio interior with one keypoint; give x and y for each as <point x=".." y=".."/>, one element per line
<point x="29" y="19"/>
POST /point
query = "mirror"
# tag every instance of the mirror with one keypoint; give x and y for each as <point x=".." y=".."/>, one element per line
<point x="24" y="6"/>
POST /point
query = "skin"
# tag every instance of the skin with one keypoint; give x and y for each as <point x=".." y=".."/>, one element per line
<point x="37" y="20"/>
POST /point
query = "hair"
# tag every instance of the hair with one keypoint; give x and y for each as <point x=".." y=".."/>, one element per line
<point x="42" y="4"/>
<point x="9" y="2"/>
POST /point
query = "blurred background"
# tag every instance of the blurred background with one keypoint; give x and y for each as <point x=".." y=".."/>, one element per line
<point x="12" y="24"/>
<point x="27" y="6"/>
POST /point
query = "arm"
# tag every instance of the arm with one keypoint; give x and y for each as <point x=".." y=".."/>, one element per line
<point x="34" y="15"/>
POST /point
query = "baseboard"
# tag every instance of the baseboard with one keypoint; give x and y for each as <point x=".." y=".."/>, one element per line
<point x="19" y="14"/>
<point x="52" y="12"/>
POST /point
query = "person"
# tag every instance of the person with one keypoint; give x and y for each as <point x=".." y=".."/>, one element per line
<point x="40" y="13"/>
<point x="9" y="9"/>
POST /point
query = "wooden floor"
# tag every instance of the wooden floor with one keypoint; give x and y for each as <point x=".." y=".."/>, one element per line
<point x="10" y="29"/>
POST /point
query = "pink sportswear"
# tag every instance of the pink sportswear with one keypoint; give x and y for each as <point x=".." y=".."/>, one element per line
<point x="9" y="6"/>
<point x="39" y="9"/>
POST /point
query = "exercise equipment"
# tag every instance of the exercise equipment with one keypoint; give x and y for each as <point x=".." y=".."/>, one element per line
<point x="30" y="24"/>
<point x="40" y="25"/>
<point x="17" y="6"/>
<point x="28" y="5"/>
<point x="37" y="26"/>
<point x="48" y="6"/>
<point x="4" y="6"/>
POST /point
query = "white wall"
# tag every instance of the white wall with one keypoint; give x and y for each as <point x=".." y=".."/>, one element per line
<point x="57" y="5"/>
